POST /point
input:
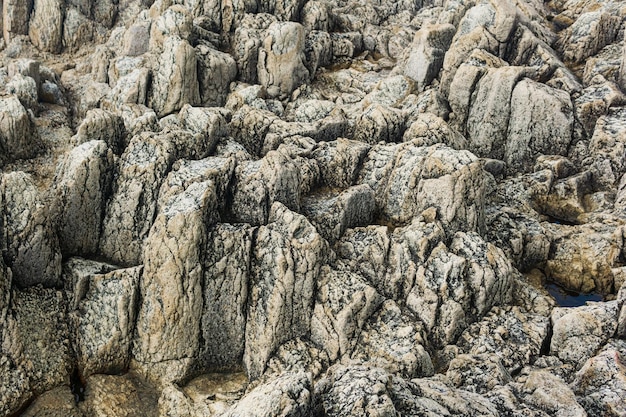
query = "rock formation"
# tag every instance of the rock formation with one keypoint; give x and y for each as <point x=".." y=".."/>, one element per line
<point x="312" y="208"/>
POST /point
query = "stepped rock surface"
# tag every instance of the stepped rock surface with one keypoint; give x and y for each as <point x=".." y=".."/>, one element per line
<point x="312" y="208"/>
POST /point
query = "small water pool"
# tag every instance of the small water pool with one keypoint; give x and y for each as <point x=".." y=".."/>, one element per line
<point x="567" y="298"/>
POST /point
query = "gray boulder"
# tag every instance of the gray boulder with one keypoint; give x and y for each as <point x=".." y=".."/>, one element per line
<point x="17" y="137"/>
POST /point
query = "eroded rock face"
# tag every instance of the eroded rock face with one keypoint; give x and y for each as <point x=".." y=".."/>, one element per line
<point x="322" y="208"/>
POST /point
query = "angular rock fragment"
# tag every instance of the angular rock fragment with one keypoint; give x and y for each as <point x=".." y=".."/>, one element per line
<point x="579" y="332"/>
<point x="333" y="213"/>
<point x="46" y="25"/>
<point x="103" y="322"/>
<point x="286" y="264"/>
<point x="344" y="302"/>
<point x="168" y="325"/>
<point x="102" y="125"/>
<point x="281" y="66"/>
<point x="32" y="248"/>
<point x="394" y="341"/>
<point x="340" y="161"/>
<point x="226" y="286"/>
<point x="132" y="207"/>
<point x="83" y="185"/>
<point x="17" y="138"/>
<point x="427" y="53"/>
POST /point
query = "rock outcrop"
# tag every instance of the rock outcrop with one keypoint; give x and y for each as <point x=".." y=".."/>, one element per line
<point x="312" y="208"/>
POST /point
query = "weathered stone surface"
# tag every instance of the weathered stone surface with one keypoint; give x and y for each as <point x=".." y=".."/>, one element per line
<point x="288" y="395"/>
<point x="577" y="333"/>
<point x="514" y="336"/>
<point x="25" y="88"/>
<point x="258" y="184"/>
<point x="427" y="53"/>
<point x="343" y="304"/>
<point x="529" y="133"/>
<point x="30" y="244"/>
<point x="339" y="161"/>
<point x="409" y="179"/>
<point x="58" y="402"/>
<point x="83" y="184"/>
<point x="36" y="339"/>
<point x="591" y="32"/>
<point x="132" y="207"/>
<point x="103" y="321"/>
<point x="175" y="82"/>
<point x="226" y="282"/>
<point x="102" y="125"/>
<point x="332" y="213"/>
<point x="46" y="24"/>
<point x="601" y="383"/>
<point x="168" y="324"/>
<point x="379" y="123"/>
<point x="477" y="373"/>
<point x="458" y="285"/>
<point x="286" y="264"/>
<point x="118" y="395"/>
<point x="281" y="66"/>
<point x="15" y="16"/>
<point x="17" y="139"/>
<point x="216" y="70"/>
<point x="546" y="391"/>
<point x="394" y="341"/>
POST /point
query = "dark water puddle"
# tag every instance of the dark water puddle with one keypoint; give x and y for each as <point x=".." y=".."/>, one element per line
<point x="567" y="298"/>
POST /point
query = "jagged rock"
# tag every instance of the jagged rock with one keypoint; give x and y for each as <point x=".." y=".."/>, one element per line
<point x="216" y="70"/>
<point x="343" y="304"/>
<point x="131" y="88"/>
<point x="581" y="257"/>
<point x="25" y="88"/>
<point x="168" y="324"/>
<point x="601" y="383"/>
<point x="175" y="21"/>
<point x="514" y="336"/>
<point x="248" y="41"/>
<point x="15" y="390"/>
<point x="286" y="263"/>
<point x="58" y="402"/>
<point x="15" y="16"/>
<point x="209" y="122"/>
<point x="548" y="392"/>
<point x="258" y="184"/>
<point x="138" y="118"/>
<point x="32" y="248"/>
<point x="379" y="123"/>
<point x="427" y="53"/>
<point x="36" y="338"/>
<point x="318" y="50"/>
<point x="281" y="66"/>
<point x="595" y="101"/>
<point x="429" y="129"/>
<point x="408" y="179"/>
<point x="605" y="64"/>
<point x="340" y="161"/>
<point x="83" y="185"/>
<point x="490" y="111"/>
<point x="137" y="38"/>
<point x="477" y="373"/>
<point x="389" y="259"/>
<point x="591" y="32"/>
<point x="577" y="333"/>
<point x="249" y="126"/>
<point x="333" y="213"/>
<point x="102" y="125"/>
<point x="205" y="395"/>
<point x="226" y="275"/>
<point x="609" y="142"/>
<point x="529" y="134"/>
<point x="622" y="68"/>
<point x="77" y="29"/>
<point x="288" y="395"/>
<point x="354" y="391"/>
<point x="132" y="207"/>
<point x="46" y="25"/>
<point x="458" y="285"/>
<point x="17" y="140"/>
<point x="118" y="395"/>
<point x="394" y="341"/>
<point x="103" y="320"/>
<point x="175" y="82"/>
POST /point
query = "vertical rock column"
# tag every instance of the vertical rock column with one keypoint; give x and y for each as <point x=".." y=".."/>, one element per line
<point x="46" y="25"/>
<point x="286" y="263"/>
<point x="168" y="325"/>
<point x="15" y="15"/>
